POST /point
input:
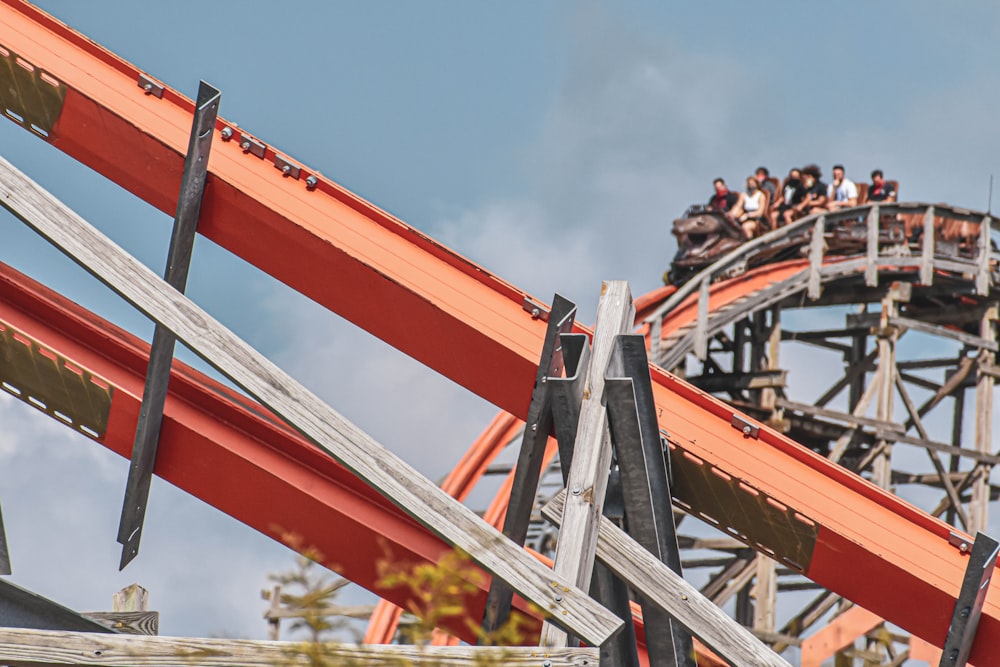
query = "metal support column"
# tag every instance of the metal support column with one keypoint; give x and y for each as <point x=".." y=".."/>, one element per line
<point x="645" y="486"/>
<point x="161" y="354"/>
<point x="537" y="428"/>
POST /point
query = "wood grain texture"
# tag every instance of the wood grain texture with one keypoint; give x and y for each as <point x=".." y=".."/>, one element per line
<point x="328" y="430"/>
<point x="668" y="590"/>
<point x="44" y="647"/>
<point x="588" y="473"/>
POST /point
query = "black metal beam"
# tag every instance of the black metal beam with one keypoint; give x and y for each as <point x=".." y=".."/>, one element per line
<point x="537" y="428"/>
<point x="969" y="605"/>
<point x="645" y="486"/>
<point x="161" y="354"/>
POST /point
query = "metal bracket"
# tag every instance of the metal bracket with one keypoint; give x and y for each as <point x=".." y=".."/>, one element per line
<point x="287" y="168"/>
<point x="161" y="354"/>
<point x="749" y="430"/>
<point x="969" y="605"/>
<point x="537" y="310"/>
<point x="150" y="87"/>
<point x="959" y="541"/>
<point x="252" y="146"/>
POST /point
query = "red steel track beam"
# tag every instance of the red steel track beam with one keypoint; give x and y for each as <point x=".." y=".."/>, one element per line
<point x="432" y="304"/>
<point x="225" y="449"/>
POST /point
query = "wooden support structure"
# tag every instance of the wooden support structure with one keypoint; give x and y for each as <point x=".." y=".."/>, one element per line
<point x="354" y="449"/>
<point x="882" y="465"/>
<point x="983" y="435"/>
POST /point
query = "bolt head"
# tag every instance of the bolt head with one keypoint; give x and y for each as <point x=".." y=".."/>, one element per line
<point x="559" y="598"/>
<point x="227" y="133"/>
<point x="576" y="490"/>
<point x="245" y="145"/>
<point x="546" y="663"/>
<point x="312" y="182"/>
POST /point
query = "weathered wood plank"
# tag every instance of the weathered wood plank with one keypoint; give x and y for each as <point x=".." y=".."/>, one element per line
<point x="588" y="474"/>
<point x="328" y="430"/>
<point x="871" y="248"/>
<point x="127" y="622"/>
<point x="816" y="245"/>
<point x="45" y="647"/>
<point x="667" y="589"/>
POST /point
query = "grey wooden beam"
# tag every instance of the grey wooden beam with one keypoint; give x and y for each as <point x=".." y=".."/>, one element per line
<point x="816" y="247"/>
<point x="927" y="248"/>
<point x="871" y="247"/>
<point x="456" y="524"/>
<point x="588" y="475"/>
<point x="46" y="648"/>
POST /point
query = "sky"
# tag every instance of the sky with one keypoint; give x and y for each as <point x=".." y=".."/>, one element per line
<point x="551" y="141"/>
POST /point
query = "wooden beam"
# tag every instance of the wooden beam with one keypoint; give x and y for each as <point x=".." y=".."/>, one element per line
<point x="668" y="590"/>
<point x="46" y="647"/>
<point x="328" y="430"/>
<point x="588" y="474"/>
<point x="983" y="435"/>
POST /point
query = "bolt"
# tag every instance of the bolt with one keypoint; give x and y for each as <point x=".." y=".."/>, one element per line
<point x="312" y="182"/>
<point x="963" y="547"/>
<point x="227" y="133"/>
<point x="286" y="170"/>
<point x="576" y="490"/>
<point x="747" y="430"/>
<point x="558" y="598"/>
<point x="245" y="146"/>
<point x="535" y="313"/>
<point x="148" y="88"/>
<point x="534" y="427"/>
<point x="546" y="663"/>
<point x="965" y="612"/>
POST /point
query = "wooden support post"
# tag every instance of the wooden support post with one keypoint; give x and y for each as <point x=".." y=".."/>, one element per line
<point x="816" y="247"/>
<point x="765" y="589"/>
<point x="957" y="423"/>
<point x="131" y="598"/>
<point x="980" y="501"/>
<point x="871" y="254"/>
<point x="927" y="248"/>
<point x="588" y="475"/>
<point x="355" y="450"/>
<point x="983" y="260"/>
<point x="882" y="466"/>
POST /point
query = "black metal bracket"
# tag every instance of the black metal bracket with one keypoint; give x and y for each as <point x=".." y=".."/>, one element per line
<point x="161" y="353"/>
<point x="969" y="605"/>
<point x="645" y="482"/>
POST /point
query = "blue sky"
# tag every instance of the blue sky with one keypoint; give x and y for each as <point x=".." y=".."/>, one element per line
<point x="551" y="141"/>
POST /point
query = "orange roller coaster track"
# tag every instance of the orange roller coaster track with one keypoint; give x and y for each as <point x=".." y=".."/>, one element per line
<point x="469" y="325"/>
